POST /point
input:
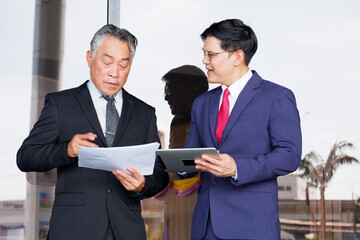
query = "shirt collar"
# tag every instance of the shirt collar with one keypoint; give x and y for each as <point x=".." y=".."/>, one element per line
<point x="238" y="85"/>
<point x="96" y="94"/>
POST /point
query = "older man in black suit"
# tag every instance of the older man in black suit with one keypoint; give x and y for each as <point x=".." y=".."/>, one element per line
<point x="95" y="204"/>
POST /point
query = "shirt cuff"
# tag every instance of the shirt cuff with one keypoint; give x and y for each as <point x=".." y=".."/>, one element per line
<point x="236" y="176"/>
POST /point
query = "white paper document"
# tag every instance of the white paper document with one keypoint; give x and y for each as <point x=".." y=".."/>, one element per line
<point x="141" y="157"/>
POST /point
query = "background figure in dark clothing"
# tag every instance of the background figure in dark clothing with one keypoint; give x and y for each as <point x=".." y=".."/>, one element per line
<point x="182" y="86"/>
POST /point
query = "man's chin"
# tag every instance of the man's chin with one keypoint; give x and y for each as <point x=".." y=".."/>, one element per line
<point x="213" y="80"/>
<point x="111" y="91"/>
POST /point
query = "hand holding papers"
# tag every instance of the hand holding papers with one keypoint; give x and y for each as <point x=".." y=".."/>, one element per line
<point x="140" y="157"/>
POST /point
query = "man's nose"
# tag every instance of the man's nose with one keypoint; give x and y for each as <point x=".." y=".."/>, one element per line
<point x="206" y="60"/>
<point x="115" y="71"/>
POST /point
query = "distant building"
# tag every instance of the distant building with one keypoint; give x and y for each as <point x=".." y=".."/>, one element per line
<point x="294" y="187"/>
<point x="301" y="219"/>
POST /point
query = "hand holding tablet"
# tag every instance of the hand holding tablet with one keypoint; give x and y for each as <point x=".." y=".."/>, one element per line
<point x="183" y="159"/>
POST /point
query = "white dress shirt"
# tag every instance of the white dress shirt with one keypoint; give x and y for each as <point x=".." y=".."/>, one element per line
<point x="235" y="90"/>
<point x="100" y="103"/>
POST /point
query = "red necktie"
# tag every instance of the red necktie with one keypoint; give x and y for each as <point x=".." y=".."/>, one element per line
<point x="223" y="116"/>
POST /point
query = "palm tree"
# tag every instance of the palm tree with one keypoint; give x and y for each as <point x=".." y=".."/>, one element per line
<point x="307" y="167"/>
<point x="319" y="172"/>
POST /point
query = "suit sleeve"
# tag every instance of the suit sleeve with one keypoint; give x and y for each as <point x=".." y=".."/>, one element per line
<point x="41" y="150"/>
<point x="285" y="136"/>
<point x="160" y="178"/>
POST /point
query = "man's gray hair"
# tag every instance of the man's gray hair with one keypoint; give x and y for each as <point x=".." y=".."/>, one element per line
<point x="119" y="33"/>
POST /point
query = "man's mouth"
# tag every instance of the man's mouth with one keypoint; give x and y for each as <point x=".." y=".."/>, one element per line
<point x="111" y="84"/>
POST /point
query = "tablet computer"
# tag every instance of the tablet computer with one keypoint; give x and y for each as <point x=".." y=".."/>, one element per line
<point x="183" y="159"/>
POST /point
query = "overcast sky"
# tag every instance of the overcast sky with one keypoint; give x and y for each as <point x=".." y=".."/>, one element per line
<point x="311" y="47"/>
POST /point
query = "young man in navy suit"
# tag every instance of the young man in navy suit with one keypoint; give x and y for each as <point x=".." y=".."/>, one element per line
<point x="255" y="126"/>
<point x="95" y="204"/>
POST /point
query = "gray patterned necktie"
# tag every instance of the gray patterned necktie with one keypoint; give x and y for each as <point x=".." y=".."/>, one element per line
<point x="112" y="120"/>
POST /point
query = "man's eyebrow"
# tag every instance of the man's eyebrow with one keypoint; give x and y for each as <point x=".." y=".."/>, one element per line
<point x="122" y="59"/>
<point x="107" y="55"/>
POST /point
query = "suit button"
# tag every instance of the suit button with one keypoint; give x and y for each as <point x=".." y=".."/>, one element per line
<point x="109" y="190"/>
<point x="213" y="181"/>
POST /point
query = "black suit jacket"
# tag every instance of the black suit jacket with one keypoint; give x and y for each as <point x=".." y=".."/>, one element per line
<point x="87" y="199"/>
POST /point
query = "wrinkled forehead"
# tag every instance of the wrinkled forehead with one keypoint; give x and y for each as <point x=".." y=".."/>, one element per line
<point x="115" y="49"/>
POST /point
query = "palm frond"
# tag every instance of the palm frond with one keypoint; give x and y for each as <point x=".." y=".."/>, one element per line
<point x="317" y="172"/>
<point x="336" y="162"/>
<point x="337" y="148"/>
<point x="309" y="168"/>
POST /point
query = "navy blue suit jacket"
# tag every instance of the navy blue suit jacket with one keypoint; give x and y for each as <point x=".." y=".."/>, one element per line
<point x="263" y="136"/>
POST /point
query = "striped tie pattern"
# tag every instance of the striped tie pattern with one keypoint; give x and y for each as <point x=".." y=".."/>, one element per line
<point x="112" y="120"/>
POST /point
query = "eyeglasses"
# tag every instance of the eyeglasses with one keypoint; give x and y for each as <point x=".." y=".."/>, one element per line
<point x="209" y="55"/>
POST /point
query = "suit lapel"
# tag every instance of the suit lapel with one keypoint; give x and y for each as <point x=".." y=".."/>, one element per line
<point x="249" y="91"/>
<point x="87" y="106"/>
<point x="126" y="113"/>
<point x="213" y="112"/>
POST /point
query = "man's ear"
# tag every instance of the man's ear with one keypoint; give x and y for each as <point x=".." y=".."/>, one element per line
<point x="89" y="57"/>
<point x="239" y="58"/>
